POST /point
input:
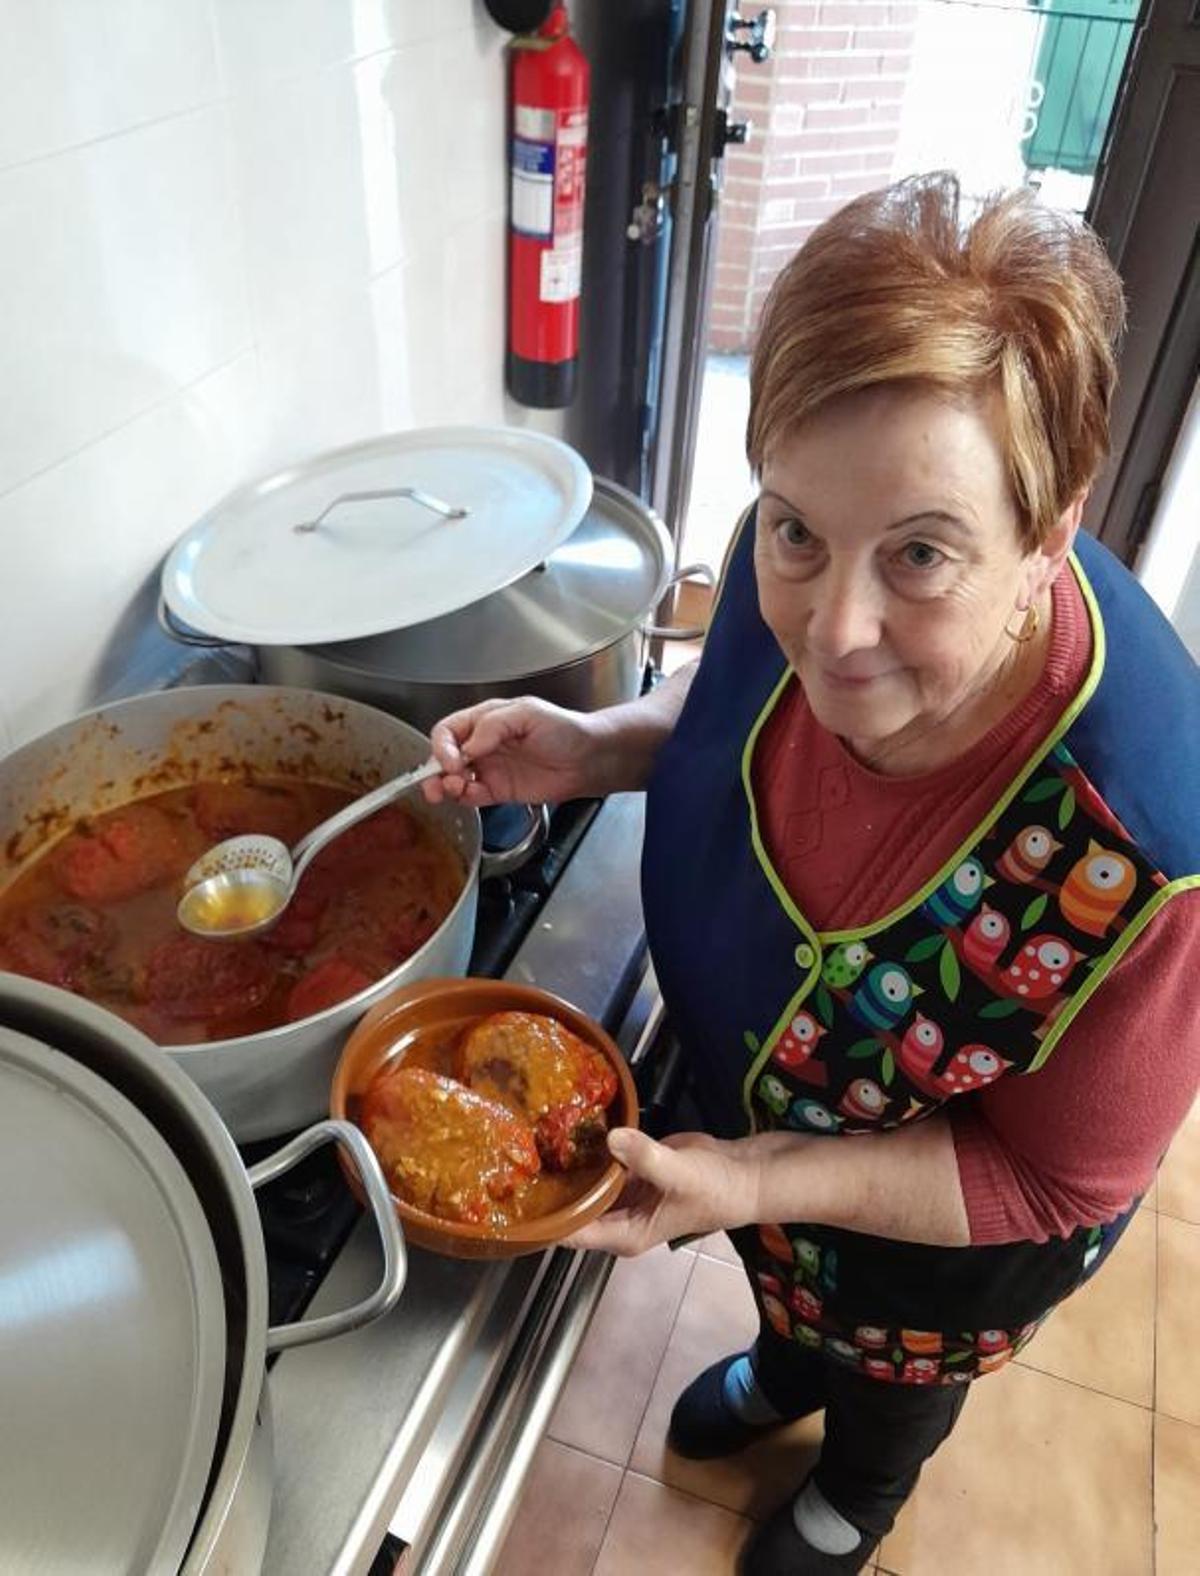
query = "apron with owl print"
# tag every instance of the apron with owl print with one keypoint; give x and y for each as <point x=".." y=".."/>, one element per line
<point x="971" y="979"/>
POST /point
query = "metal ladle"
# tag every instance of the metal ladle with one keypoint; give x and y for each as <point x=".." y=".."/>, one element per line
<point x="242" y="886"/>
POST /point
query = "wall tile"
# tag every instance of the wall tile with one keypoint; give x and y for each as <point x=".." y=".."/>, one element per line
<point x="313" y="255"/>
<point x="75" y="70"/>
<point x="472" y="86"/>
<point x="261" y="43"/>
<point x="298" y="155"/>
<point x="265" y="42"/>
<point x="81" y="543"/>
<point x="344" y="372"/>
<point x="121" y="281"/>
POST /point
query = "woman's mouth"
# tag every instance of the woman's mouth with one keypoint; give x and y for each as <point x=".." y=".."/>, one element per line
<point x="850" y="681"/>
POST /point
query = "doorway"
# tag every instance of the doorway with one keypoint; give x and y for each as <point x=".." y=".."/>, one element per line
<point x="1004" y="92"/>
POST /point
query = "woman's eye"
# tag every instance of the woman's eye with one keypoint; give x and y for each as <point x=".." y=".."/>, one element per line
<point x="919" y="555"/>
<point x="795" y="533"/>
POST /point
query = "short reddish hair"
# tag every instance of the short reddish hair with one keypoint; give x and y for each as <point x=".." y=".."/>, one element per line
<point x="900" y="287"/>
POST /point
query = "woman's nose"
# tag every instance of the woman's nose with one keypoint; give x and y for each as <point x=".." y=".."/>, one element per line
<point x="845" y="617"/>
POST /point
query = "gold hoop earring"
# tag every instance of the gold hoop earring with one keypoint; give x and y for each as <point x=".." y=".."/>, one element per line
<point x="1028" y="629"/>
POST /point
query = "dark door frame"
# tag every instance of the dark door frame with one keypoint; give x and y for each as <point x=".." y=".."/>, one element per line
<point x="1146" y="208"/>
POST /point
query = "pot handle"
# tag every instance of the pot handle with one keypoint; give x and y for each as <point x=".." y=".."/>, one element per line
<point x="395" y="1258"/>
<point x="181" y="633"/>
<point x="701" y="572"/>
<point x="506" y="860"/>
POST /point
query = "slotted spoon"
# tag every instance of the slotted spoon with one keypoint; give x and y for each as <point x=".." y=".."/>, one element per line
<point x="242" y="885"/>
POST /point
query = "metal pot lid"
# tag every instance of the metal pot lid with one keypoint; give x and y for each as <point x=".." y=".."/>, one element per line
<point x="112" y="1327"/>
<point x="376" y="536"/>
<point x="598" y="586"/>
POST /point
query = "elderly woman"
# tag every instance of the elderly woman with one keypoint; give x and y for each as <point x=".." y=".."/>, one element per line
<point x="921" y="850"/>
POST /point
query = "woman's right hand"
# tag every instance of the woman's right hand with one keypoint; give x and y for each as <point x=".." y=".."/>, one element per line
<point x="505" y="751"/>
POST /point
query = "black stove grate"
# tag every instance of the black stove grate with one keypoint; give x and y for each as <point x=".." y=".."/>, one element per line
<point x="308" y="1214"/>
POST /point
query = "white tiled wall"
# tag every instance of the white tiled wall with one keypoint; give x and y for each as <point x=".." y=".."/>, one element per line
<point x="231" y="232"/>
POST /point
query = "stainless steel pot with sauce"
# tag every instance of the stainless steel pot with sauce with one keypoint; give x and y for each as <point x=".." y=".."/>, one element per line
<point x="276" y="1080"/>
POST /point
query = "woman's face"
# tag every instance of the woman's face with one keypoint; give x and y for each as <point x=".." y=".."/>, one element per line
<point x="889" y="562"/>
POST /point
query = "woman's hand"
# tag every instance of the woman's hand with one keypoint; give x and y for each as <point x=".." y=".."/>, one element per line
<point x="503" y="751"/>
<point x="903" y="1184"/>
<point x="690" y="1184"/>
<point x="506" y="750"/>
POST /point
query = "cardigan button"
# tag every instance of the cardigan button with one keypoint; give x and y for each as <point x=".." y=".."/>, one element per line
<point x="805" y="956"/>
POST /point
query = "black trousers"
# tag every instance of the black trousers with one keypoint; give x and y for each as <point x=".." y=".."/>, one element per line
<point x="877" y="1436"/>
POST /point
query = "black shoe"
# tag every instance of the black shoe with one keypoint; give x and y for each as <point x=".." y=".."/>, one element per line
<point x="704" y="1425"/>
<point x="777" y="1549"/>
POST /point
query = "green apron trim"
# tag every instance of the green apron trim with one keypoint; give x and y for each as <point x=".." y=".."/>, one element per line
<point x="814" y="940"/>
<point x="1062" y="727"/>
<point x="784" y="898"/>
<point x="1114" y="955"/>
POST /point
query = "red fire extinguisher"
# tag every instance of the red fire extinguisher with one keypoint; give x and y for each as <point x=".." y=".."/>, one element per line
<point x="550" y="80"/>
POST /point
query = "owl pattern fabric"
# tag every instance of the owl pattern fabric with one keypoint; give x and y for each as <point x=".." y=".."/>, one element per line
<point x="1036" y="1159"/>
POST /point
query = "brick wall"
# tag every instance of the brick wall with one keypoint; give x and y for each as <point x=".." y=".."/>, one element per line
<point x="826" y="114"/>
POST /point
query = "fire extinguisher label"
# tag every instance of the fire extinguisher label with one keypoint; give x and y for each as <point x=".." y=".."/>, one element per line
<point x="562" y="273"/>
<point x="570" y="162"/>
<point x="533" y="188"/>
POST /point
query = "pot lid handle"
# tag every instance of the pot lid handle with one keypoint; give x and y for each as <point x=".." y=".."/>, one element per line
<point x="395" y="1259"/>
<point x="448" y="511"/>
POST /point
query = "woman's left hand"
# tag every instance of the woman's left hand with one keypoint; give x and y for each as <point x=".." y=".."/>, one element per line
<point x="690" y="1184"/>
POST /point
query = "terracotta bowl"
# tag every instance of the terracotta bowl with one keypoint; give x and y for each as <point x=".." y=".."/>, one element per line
<point x="442" y="1007"/>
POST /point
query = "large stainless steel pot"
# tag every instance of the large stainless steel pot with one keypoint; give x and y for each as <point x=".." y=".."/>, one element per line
<point x="276" y="1081"/>
<point x="574" y="631"/>
<point x="229" y="1535"/>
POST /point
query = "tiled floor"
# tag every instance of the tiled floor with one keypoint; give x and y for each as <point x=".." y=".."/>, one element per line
<point x="1081" y="1459"/>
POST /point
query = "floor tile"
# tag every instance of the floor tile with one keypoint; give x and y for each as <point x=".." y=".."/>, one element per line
<point x="655" y="1531"/>
<point x="1103" y="1337"/>
<point x="1176" y="1497"/>
<point x="602" y="1405"/>
<point x="718" y="1246"/>
<point x="1179" y="1176"/>
<point x="563" y="1514"/>
<point x="1040" y="1478"/>
<point x="717" y="1316"/>
<point x="1177" y="1388"/>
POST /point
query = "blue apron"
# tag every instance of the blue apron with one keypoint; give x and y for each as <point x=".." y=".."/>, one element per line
<point x="973" y="977"/>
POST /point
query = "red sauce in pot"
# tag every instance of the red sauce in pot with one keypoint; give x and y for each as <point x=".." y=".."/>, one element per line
<point x="96" y="913"/>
